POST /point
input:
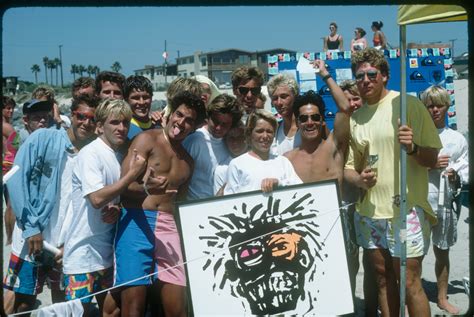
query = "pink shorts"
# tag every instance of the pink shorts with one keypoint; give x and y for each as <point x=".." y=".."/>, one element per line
<point x="168" y="252"/>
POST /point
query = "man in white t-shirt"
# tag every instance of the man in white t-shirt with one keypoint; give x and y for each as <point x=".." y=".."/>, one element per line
<point x="206" y="146"/>
<point x="450" y="172"/>
<point x="96" y="183"/>
<point x="43" y="205"/>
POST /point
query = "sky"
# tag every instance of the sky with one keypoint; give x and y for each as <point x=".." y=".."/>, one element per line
<point x="135" y="36"/>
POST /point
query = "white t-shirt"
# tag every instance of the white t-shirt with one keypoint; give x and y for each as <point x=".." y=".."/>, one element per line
<point x="220" y="175"/>
<point x="89" y="242"/>
<point x="54" y="231"/>
<point x="246" y="172"/>
<point x="455" y="145"/>
<point x="207" y="152"/>
<point x="282" y="143"/>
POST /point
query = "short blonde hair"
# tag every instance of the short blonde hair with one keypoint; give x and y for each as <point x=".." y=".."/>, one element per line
<point x="437" y="95"/>
<point x="254" y="117"/>
<point x="115" y="108"/>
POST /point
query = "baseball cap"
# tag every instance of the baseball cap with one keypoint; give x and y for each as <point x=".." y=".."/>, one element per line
<point x="35" y="105"/>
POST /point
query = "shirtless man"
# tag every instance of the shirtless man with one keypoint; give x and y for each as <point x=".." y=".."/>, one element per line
<point x="317" y="158"/>
<point x="147" y="215"/>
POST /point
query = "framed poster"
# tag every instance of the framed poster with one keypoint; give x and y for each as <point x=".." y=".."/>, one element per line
<point x="258" y="254"/>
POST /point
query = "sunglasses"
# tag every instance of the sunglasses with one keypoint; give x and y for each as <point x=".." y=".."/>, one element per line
<point x="82" y="116"/>
<point x="245" y="90"/>
<point x="314" y="117"/>
<point x="371" y="74"/>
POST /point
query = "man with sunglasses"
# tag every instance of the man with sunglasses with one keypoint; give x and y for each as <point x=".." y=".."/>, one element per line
<point x="247" y="84"/>
<point x="375" y="133"/>
<point x="42" y="200"/>
<point x="207" y="147"/>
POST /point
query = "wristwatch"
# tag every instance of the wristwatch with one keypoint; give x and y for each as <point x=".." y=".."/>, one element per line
<point x="414" y="150"/>
<point x="326" y="77"/>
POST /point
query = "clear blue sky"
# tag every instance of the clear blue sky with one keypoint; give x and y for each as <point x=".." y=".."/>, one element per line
<point x="135" y="36"/>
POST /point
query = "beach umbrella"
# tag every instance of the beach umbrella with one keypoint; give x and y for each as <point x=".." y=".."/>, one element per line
<point x="412" y="14"/>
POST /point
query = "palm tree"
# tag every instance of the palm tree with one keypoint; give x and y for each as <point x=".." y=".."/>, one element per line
<point x="116" y="67"/>
<point x="46" y="63"/>
<point x="96" y="70"/>
<point x="36" y="69"/>
<point x="81" y="69"/>
<point x="74" y="70"/>
<point x="90" y="70"/>
<point x="56" y="62"/>
<point x="51" y="66"/>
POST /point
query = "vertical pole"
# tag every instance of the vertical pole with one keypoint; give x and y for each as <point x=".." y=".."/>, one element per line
<point x="166" y="57"/>
<point x="403" y="175"/>
<point x="61" y="64"/>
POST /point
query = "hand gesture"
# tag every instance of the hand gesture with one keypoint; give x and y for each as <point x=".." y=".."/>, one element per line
<point x="158" y="117"/>
<point x="321" y="65"/>
<point x="137" y="164"/>
<point x="367" y="178"/>
<point x="443" y="161"/>
<point x="405" y="137"/>
<point x="156" y="184"/>
<point x="268" y="184"/>
<point x="110" y="213"/>
<point x="35" y="244"/>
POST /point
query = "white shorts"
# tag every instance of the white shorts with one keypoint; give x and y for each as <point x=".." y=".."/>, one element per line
<point x="385" y="233"/>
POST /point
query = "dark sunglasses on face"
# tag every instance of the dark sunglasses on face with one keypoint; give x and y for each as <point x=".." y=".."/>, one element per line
<point x="314" y="117"/>
<point x="82" y="116"/>
<point x="371" y="74"/>
<point x="245" y="90"/>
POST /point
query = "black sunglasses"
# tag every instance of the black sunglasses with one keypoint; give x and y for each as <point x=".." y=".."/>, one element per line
<point x="371" y="74"/>
<point x="314" y="117"/>
<point x="245" y="90"/>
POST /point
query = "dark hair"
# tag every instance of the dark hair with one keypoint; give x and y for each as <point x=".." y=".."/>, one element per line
<point x="309" y="97"/>
<point x="82" y="82"/>
<point x="8" y="101"/>
<point x="192" y="102"/>
<point x="225" y="103"/>
<point x="91" y="101"/>
<point x="244" y="74"/>
<point x="113" y="77"/>
<point x="139" y="83"/>
<point x="377" y="24"/>
<point x="361" y="32"/>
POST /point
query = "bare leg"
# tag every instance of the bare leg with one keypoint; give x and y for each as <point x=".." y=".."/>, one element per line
<point x="417" y="301"/>
<point x="173" y="298"/>
<point x="386" y="280"/>
<point x="442" y="276"/>
<point x="24" y="303"/>
<point x="112" y="304"/>
<point x="370" y="287"/>
<point x="133" y="300"/>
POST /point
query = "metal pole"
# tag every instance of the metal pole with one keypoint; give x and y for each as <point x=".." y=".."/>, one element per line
<point x="403" y="174"/>
<point x="166" y="56"/>
<point x="61" y="64"/>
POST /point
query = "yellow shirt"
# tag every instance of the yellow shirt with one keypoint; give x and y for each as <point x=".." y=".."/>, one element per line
<point x="374" y="131"/>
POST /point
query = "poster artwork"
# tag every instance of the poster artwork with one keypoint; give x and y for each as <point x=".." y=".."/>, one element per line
<point x="256" y="254"/>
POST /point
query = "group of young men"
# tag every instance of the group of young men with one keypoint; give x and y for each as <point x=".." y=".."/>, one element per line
<point x="103" y="191"/>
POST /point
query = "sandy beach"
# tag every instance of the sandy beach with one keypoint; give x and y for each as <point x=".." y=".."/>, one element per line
<point x="459" y="254"/>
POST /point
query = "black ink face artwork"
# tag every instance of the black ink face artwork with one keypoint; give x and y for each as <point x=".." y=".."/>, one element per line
<point x="266" y="255"/>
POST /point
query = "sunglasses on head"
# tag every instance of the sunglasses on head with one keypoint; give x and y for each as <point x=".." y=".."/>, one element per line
<point x="314" y="117"/>
<point x="371" y="74"/>
<point x="245" y="90"/>
<point x="82" y="116"/>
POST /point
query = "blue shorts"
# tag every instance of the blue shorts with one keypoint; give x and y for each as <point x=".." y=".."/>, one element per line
<point x="28" y="278"/>
<point x="135" y="244"/>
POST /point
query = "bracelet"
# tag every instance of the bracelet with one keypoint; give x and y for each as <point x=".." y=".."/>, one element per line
<point x="326" y="77"/>
<point x="146" y="189"/>
<point x="414" y="150"/>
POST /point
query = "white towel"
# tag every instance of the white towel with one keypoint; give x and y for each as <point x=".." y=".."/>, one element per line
<point x="72" y="308"/>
